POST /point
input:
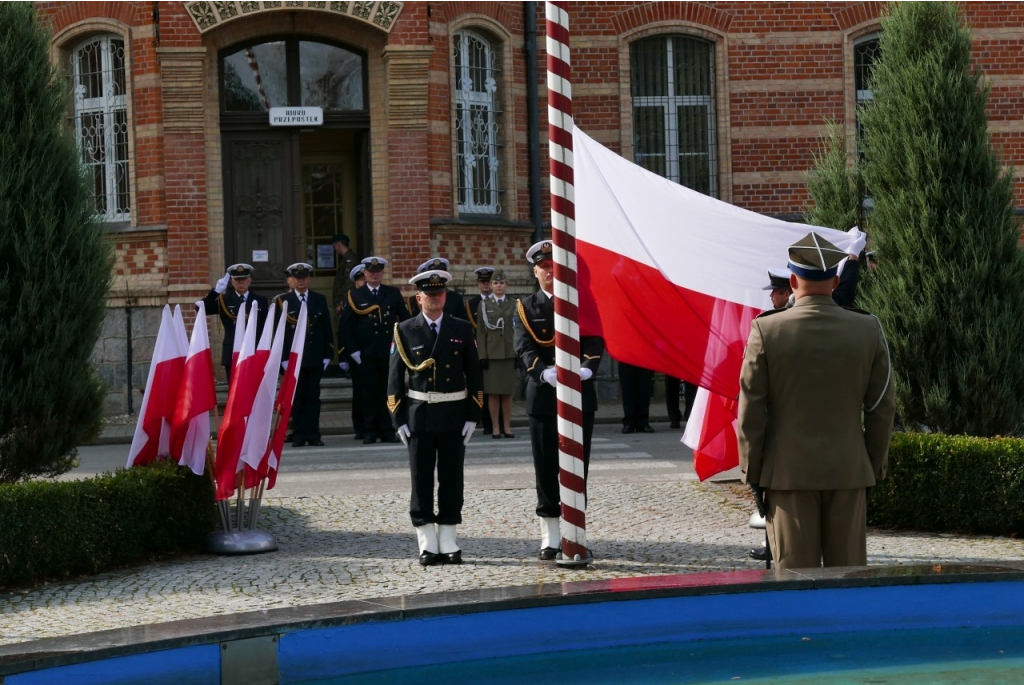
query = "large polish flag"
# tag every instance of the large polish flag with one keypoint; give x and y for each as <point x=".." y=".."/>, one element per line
<point x="245" y="380"/>
<point x="672" y="278"/>
<point x="257" y="429"/>
<point x="152" y="437"/>
<point x="283" y="406"/>
<point x="190" y="429"/>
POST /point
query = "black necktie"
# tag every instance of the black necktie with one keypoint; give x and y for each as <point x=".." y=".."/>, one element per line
<point x="375" y="293"/>
<point x="433" y="328"/>
<point x="302" y="297"/>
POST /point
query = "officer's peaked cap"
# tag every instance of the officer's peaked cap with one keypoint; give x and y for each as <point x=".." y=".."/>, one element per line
<point x="540" y="251"/>
<point x="431" y="281"/>
<point x="240" y="270"/>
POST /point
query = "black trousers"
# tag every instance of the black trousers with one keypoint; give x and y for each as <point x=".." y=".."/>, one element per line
<point x="446" y="453"/>
<point x="306" y="407"/>
<point x="544" y="441"/>
<point x="373" y="377"/>
<point x="357" y="398"/>
<point x="672" y="399"/>
<point x="637" y="389"/>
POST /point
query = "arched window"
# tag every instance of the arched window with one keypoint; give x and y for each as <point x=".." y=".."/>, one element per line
<point x="865" y="54"/>
<point x="101" y="123"/>
<point x="673" y="90"/>
<point x="476" y="124"/>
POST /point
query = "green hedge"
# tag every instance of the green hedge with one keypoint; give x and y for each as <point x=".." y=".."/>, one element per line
<point x="949" y="483"/>
<point x="58" y="529"/>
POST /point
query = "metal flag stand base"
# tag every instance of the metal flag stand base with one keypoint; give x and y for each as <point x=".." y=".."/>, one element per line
<point x="242" y="537"/>
<point x="575" y="561"/>
<point x="240" y="542"/>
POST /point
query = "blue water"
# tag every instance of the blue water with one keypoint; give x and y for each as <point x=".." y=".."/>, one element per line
<point x="965" y="656"/>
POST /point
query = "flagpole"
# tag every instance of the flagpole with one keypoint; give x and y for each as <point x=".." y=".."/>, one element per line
<point x="571" y="478"/>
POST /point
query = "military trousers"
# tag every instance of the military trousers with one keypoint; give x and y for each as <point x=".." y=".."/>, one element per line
<point x="446" y="453"/>
<point x="637" y="389"/>
<point x="544" y="441"/>
<point x="306" y="406"/>
<point x="808" y="527"/>
<point x="373" y="381"/>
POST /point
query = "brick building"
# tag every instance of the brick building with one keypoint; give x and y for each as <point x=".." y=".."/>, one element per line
<point x="425" y="142"/>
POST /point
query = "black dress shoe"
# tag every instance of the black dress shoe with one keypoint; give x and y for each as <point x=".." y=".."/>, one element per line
<point x="674" y="424"/>
<point x="495" y="437"/>
<point x="427" y="558"/>
<point x="645" y="429"/>
<point x="450" y="558"/>
<point x="358" y="436"/>
<point x="369" y="440"/>
<point x="759" y="554"/>
<point x="289" y="437"/>
<point x="298" y="443"/>
<point x="628" y="429"/>
<point x="508" y="435"/>
<point x="548" y="554"/>
<point x="315" y="443"/>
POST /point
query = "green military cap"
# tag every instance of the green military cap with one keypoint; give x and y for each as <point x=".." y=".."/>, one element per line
<point x="814" y="259"/>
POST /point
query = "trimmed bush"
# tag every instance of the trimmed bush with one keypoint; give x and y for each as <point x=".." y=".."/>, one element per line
<point x="948" y="483"/>
<point x="52" y="530"/>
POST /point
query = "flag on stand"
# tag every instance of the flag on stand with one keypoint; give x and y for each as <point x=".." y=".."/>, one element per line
<point x="257" y="430"/>
<point x="236" y="342"/>
<point x="672" y="278"/>
<point x="152" y="437"/>
<point x="190" y="428"/>
<point x="245" y="379"/>
<point x="283" y="407"/>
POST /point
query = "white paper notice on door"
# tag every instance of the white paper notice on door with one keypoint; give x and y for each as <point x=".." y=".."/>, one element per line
<point x="260" y="256"/>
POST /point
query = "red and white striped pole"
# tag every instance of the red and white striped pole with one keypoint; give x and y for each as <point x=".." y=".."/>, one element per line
<point x="572" y="483"/>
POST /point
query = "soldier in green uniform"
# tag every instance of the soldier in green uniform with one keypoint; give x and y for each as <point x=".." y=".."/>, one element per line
<point x="436" y="415"/>
<point x="816" y="412"/>
<point x="347" y="261"/>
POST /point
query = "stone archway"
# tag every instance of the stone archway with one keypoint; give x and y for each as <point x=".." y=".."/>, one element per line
<point x="209" y="14"/>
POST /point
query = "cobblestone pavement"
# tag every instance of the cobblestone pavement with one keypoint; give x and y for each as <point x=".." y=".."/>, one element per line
<point x="361" y="546"/>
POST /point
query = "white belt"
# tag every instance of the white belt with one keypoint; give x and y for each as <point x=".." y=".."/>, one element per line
<point x="436" y="397"/>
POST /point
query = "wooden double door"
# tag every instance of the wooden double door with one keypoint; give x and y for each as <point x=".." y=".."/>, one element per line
<point x="286" y="193"/>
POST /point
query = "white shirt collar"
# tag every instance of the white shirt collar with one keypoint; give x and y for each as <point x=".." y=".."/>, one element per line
<point x="550" y="295"/>
<point x="438" y="322"/>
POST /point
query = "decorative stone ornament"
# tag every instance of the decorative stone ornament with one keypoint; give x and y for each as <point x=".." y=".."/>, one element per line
<point x="208" y="14"/>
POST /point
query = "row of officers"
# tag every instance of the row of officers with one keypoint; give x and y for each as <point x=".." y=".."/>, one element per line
<point x="421" y="368"/>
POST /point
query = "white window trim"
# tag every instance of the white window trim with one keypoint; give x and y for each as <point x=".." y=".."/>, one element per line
<point x="466" y="99"/>
<point x="671" y="104"/>
<point x="107" y="105"/>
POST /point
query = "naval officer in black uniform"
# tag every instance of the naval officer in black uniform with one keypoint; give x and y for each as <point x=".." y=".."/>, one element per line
<point x="316" y="355"/>
<point x="437" y="414"/>
<point x="226" y="301"/>
<point x="535" y="345"/>
<point x="366" y="327"/>
<point x="454" y="305"/>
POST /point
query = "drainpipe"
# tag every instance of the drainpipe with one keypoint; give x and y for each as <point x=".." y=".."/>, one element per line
<point x="532" y="126"/>
<point x="128" y="344"/>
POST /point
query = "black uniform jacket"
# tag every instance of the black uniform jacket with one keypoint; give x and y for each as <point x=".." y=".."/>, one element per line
<point x="319" y="333"/>
<point x="448" y="363"/>
<point x="472" y="304"/>
<point x="366" y="323"/>
<point x="226" y="305"/>
<point x="535" y="346"/>
<point x="454" y="305"/>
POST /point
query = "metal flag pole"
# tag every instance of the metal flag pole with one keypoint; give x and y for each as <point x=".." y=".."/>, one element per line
<point x="571" y="478"/>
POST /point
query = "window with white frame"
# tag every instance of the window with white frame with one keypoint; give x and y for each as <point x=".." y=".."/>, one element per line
<point x="476" y="124"/>
<point x="673" y="90"/>
<point x="865" y="54"/>
<point x="101" y="123"/>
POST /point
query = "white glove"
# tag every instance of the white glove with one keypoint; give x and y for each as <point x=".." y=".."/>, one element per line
<point x="284" y="365"/>
<point x="222" y="284"/>
<point x="343" y="365"/>
<point x="550" y="376"/>
<point x="586" y="374"/>
<point x="860" y="239"/>
<point x="357" y="357"/>
<point x="326" y="362"/>
<point x="404" y="434"/>
<point x="467" y="431"/>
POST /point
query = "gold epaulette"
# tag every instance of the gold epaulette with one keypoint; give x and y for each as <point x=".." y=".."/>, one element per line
<point x="293" y="320"/>
<point x="357" y="310"/>
<point x="526" y="325"/>
<point x="401" y="352"/>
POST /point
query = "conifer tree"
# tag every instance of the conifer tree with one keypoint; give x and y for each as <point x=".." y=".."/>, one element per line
<point x="948" y="288"/>
<point x="54" y="263"/>
<point x="833" y="185"/>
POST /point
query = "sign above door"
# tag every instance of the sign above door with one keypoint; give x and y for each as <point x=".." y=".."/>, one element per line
<point x="296" y="116"/>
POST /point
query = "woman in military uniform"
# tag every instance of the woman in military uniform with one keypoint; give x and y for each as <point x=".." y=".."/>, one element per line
<point x="495" y="316"/>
